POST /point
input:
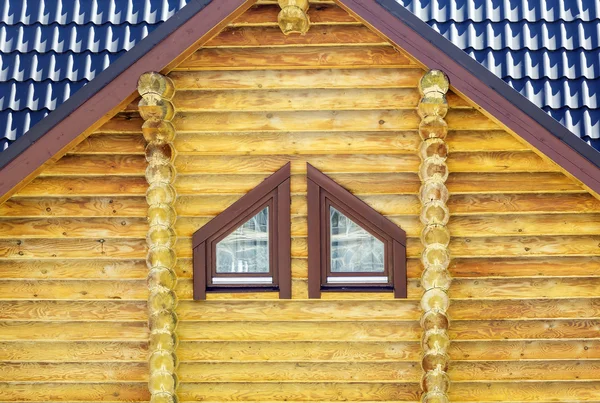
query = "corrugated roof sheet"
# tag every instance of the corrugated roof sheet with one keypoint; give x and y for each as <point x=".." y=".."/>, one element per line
<point x="547" y="50"/>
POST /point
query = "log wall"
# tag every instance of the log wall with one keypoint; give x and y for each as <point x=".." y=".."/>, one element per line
<point x="525" y="309"/>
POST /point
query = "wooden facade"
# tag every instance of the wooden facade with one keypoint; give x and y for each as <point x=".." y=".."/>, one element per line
<point x="525" y="240"/>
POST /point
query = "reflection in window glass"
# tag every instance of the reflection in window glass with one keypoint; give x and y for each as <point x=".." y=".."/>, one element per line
<point x="352" y="248"/>
<point x="246" y="250"/>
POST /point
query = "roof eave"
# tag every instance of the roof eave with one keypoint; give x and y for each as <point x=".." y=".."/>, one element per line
<point x="491" y="93"/>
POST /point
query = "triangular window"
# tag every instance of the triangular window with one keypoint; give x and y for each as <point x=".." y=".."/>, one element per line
<point x="351" y="247"/>
<point x="247" y="246"/>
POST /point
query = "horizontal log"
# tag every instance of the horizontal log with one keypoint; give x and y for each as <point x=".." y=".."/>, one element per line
<point x="73" y="331"/>
<point x="73" y="227"/>
<point x="85" y="186"/>
<point x="74" y="289"/>
<point x="524" y="329"/>
<point x="123" y="123"/>
<point x="346" y="163"/>
<point x="495" y="288"/>
<point x="70" y="392"/>
<point x="297" y="143"/>
<point x="525" y="371"/>
<point x="318" y="35"/>
<point x="290" y="310"/>
<point x="376" y="183"/>
<point x="297" y="351"/>
<point x="300" y="268"/>
<point x="95" y="269"/>
<point x="73" y="310"/>
<point x="110" y="248"/>
<point x="73" y="372"/>
<point x="105" y="164"/>
<point x="74" y="207"/>
<point x="510" y="182"/>
<point x="524" y="203"/>
<point x="364" y="120"/>
<point x="300" y="372"/>
<point x="525" y="225"/>
<point x="302" y="100"/>
<point x="296" y="79"/>
<point x="563" y="308"/>
<point x="525" y="246"/>
<point x="267" y="15"/>
<point x="111" y="144"/>
<point x="524" y="161"/>
<point x="300" y="331"/>
<point x="255" y="391"/>
<point x="296" y="58"/>
<point x="275" y="143"/>
<point x="506" y="350"/>
<point x="587" y="266"/>
<point x="525" y="391"/>
<point x="56" y="351"/>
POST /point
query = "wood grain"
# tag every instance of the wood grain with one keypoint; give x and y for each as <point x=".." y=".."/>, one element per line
<point x="73" y="227"/>
<point x="73" y="331"/>
<point x="267" y="15"/>
<point x="296" y="79"/>
<point x="72" y="310"/>
<point x="296" y="57"/>
<point x="73" y="372"/>
<point x="568" y="266"/>
<point x="40" y="206"/>
<point x="320" y="35"/>
<point x="77" y="351"/>
<point x="364" y="120"/>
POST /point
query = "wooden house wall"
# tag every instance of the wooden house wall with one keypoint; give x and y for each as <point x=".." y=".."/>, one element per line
<point x="526" y="240"/>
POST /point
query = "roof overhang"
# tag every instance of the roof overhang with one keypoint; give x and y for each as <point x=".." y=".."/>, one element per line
<point x="200" y="20"/>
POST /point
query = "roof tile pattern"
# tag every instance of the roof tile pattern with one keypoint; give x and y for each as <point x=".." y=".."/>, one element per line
<point x="548" y="50"/>
<point x="51" y="48"/>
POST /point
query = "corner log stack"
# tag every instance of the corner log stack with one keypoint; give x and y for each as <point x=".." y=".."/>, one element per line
<point x="157" y="111"/>
<point x="435" y="237"/>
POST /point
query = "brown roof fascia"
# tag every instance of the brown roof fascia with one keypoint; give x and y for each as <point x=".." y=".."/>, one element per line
<point x="113" y="89"/>
<point x="481" y="86"/>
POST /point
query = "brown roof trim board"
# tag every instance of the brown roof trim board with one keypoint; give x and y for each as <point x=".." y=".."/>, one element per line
<point x="481" y="86"/>
<point x="114" y="88"/>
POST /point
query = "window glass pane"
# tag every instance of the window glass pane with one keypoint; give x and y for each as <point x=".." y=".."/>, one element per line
<point x="246" y="250"/>
<point x="352" y="248"/>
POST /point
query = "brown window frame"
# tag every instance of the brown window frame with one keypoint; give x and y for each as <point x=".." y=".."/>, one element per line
<point x="273" y="192"/>
<point x="322" y="193"/>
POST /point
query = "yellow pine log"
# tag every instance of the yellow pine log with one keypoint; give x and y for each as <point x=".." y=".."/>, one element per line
<point x="106" y="164"/>
<point x="73" y="310"/>
<point x="296" y="79"/>
<point x="570" y="266"/>
<point x="524" y="329"/>
<point x="54" y="186"/>
<point x="300" y="331"/>
<point x="73" y="289"/>
<point x="74" y="372"/>
<point x="298" y="351"/>
<point x="92" y="269"/>
<point x="73" y="331"/>
<point x="333" y="120"/>
<point x="256" y="391"/>
<point x="267" y="15"/>
<point x="302" y="100"/>
<point x="111" y="144"/>
<point x="507" y="350"/>
<point x="70" y="392"/>
<point x="73" y="227"/>
<point x="69" y="351"/>
<point x="300" y="372"/>
<point x="74" y="206"/>
<point x="320" y="35"/>
<point x="275" y="143"/>
<point x="525" y="371"/>
<point x="109" y="248"/>
<point x="317" y="57"/>
<point x="525" y="391"/>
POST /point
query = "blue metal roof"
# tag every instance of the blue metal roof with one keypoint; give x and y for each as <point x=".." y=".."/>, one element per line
<point x="549" y="50"/>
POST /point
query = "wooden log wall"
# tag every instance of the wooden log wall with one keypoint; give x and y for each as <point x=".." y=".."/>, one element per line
<point x="525" y="304"/>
